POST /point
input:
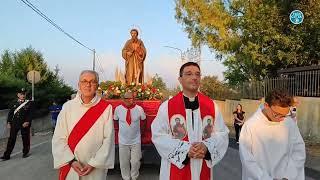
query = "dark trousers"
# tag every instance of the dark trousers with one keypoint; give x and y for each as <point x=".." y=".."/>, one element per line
<point x="25" y="134"/>
<point x="237" y="128"/>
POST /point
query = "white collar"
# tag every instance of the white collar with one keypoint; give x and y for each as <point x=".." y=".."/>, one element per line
<point x="92" y="102"/>
<point x="191" y="99"/>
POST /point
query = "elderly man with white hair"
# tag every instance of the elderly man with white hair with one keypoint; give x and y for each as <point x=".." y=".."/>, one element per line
<point x="83" y="141"/>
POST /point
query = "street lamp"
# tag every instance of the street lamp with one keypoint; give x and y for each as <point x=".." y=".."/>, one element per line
<point x="181" y="53"/>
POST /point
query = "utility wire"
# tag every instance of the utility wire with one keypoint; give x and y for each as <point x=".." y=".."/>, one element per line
<point x="35" y="9"/>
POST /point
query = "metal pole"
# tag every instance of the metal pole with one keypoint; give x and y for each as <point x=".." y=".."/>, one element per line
<point x="34" y="74"/>
<point x="94" y="59"/>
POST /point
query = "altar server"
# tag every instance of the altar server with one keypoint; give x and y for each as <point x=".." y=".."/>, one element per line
<point x="271" y="146"/>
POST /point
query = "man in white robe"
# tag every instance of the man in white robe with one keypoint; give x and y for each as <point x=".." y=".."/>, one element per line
<point x="271" y="146"/>
<point x="187" y="153"/>
<point x="93" y="154"/>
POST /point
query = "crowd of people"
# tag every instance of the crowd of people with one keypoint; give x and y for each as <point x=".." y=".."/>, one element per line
<point x="189" y="133"/>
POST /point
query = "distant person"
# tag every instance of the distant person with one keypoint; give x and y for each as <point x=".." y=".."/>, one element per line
<point x="129" y="115"/>
<point x="271" y="146"/>
<point x="238" y="120"/>
<point x="293" y="110"/>
<point x="54" y="110"/>
<point x="19" y="119"/>
<point x="83" y="141"/>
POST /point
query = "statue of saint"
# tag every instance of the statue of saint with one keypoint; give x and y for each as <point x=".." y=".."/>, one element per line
<point x="134" y="54"/>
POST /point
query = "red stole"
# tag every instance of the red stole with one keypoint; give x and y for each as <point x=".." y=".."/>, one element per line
<point x="81" y="129"/>
<point x="176" y="106"/>
<point x="128" y="115"/>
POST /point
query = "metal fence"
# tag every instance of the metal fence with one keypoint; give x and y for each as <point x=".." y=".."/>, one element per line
<point x="251" y="90"/>
<point x="305" y="84"/>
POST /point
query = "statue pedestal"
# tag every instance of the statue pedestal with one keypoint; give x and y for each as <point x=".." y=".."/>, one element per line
<point x="150" y="107"/>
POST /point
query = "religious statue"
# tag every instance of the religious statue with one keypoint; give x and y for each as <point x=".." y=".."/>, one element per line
<point x="134" y="54"/>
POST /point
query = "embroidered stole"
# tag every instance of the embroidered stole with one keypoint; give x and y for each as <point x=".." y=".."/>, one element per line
<point x="176" y="106"/>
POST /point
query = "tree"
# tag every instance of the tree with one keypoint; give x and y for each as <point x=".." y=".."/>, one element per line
<point x="14" y="68"/>
<point x="6" y="64"/>
<point x="29" y="59"/>
<point x="158" y="82"/>
<point x="212" y="87"/>
<point x="254" y="38"/>
<point x="9" y="86"/>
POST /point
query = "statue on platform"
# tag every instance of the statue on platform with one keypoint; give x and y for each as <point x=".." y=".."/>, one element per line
<point x="134" y="54"/>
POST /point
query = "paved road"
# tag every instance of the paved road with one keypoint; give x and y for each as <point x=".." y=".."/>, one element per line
<point x="39" y="165"/>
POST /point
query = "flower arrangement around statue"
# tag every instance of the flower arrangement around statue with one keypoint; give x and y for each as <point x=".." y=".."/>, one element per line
<point x="116" y="90"/>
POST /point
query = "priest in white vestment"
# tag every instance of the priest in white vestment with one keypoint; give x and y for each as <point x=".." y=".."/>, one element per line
<point x="83" y="141"/>
<point x="271" y="146"/>
<point x="189" y="132"/>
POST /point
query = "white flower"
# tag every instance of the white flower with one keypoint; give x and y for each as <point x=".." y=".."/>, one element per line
<point x="139" y="90"/>
<point x="147" y="92"/>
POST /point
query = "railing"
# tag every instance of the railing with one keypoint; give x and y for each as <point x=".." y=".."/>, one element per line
<point x="305" y="84"/>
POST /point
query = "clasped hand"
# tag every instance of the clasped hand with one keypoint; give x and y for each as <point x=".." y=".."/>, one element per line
<point x="197" y="151"/>
<point x="80" y="169"/>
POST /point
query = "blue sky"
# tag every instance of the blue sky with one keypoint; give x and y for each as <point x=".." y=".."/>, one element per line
<point x="103" y="25"/>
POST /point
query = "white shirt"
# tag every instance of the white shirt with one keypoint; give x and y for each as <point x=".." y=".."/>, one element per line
<point x="271" y="150"/>
<point x="129" y="135"/>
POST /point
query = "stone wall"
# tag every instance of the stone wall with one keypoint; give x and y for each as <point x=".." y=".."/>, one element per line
<point x="308" y="114"/>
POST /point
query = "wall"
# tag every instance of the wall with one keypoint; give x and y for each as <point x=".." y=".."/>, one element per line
<point x="308" y="114"/>
<point x="39" y="124"/>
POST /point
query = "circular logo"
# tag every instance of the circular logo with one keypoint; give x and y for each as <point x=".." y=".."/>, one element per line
<point x="296" y="17"/>
<point x="178" y="126"/>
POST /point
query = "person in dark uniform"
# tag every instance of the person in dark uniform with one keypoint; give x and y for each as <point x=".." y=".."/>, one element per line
<point x="19" y="119"/>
